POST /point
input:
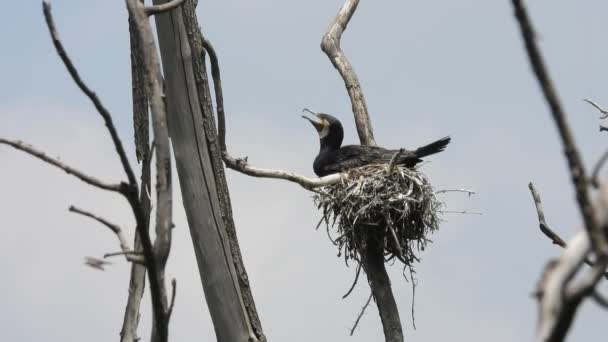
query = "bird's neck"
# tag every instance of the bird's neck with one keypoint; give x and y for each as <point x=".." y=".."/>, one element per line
<point x="333" y="140"/>
<point x="328" y="145"/>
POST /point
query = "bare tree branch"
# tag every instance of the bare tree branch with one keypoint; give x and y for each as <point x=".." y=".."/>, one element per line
<point x="352" y="287"/>
<point x="241" y="165"/>
<point x="544" y="227"/>
<point x="330" y="44"/>
<point x="602" y="110"/>
<point x="166" y="7"/>
<point x="595" y="181"/>
<point x="469" y="192"/>
<point x="19" y="145"/>
<point x="556" y="239"/>
<point x="577" y="171"/>
<point x="173" y="293"/>
<point x="352" y="330"/>
<point x="88" y="92"/>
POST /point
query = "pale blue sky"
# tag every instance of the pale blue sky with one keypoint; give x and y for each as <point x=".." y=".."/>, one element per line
<point x="428" y="69"/>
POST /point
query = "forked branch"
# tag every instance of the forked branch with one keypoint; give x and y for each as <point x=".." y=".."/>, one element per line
<point x="330" y="44"/>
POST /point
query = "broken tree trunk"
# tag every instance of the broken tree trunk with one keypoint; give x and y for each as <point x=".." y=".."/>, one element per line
<point x="231" y="310"/>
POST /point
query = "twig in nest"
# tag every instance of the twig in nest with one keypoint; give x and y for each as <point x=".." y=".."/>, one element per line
<point x="464" y="212"/>
<point x="352" y="330"/>
<point x="393" y="161"/>
<point x="401" y="208"/>
<point x="468" y="192"/>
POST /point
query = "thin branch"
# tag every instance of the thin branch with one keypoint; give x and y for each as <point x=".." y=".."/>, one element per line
<point x="464" y="212"/>
<point x="603" y="128"/>
<point x="20" y="145"/>
<point x="352" y="287"/>
<point x="173" y="293"/>
<point x="166" y="7"/>
<point x="577" y="171"/>
<point x="469" y="192"/>
<point x="162" y="243"/>
<point x="393" y="161"/>
<point x="352" y="330"/>
<point x="124" y="245"/>
<point x="105" y="114"/>
<point x="330" y="44"/>
<point x="556" y="309"/>
<point x="602" y="110"/>
<point x="95" y="263"/>
<point x="241" y="165"/>
<point x="586" y="285"/>
<point x="600" y="299"/>
<point x="113" y="254"/>
<point x="596" y="170"/>
<point x="544" y="227"/>
<point x="541" y="218"/>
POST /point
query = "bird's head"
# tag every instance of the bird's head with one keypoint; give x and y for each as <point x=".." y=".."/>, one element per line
<point x="328" y="127"/>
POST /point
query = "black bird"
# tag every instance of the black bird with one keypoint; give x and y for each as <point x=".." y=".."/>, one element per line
<point x="334" y="158"/>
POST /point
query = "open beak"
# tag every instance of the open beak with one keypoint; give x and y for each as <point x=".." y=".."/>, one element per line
<point x="316" y="121"/>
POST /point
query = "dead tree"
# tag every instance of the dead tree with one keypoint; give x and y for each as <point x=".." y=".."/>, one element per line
<point x="181" y="109"/>
<point x="558" y="292"/>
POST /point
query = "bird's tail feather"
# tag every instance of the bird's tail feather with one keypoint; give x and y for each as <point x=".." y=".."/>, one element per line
<point x="432" y="148"/>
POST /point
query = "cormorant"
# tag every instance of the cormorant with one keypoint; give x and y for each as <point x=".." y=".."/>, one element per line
<point x="334" y="158"/>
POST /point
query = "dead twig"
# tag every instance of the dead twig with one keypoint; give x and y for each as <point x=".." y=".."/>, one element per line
<point x="352" y="287"/>
<point x="105" y="114"/>
<point x="602" y="110"/>
<point x="129" y="254"/>
<point x="19" y="145"/>
<point x="391" y="164"/>
<point x="352" y="330"/>
<point x="544" y="227"/>
<point x="468" y="192"/>
<point x="173" y="293"/>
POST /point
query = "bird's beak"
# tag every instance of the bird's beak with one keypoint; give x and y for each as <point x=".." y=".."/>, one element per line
<point x="316" y="121"/>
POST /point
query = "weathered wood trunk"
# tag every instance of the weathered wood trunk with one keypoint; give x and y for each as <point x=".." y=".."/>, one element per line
<point x="372" y="259"/>
<point x="199" y="184"/>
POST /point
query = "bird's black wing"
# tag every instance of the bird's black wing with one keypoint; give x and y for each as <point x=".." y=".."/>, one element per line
<point x="352" y="156"/>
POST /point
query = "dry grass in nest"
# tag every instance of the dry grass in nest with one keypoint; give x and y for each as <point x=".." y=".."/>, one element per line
<point x="399" y="207"/>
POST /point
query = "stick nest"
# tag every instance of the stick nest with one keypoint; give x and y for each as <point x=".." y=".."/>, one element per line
<point x="397" y="207"/>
